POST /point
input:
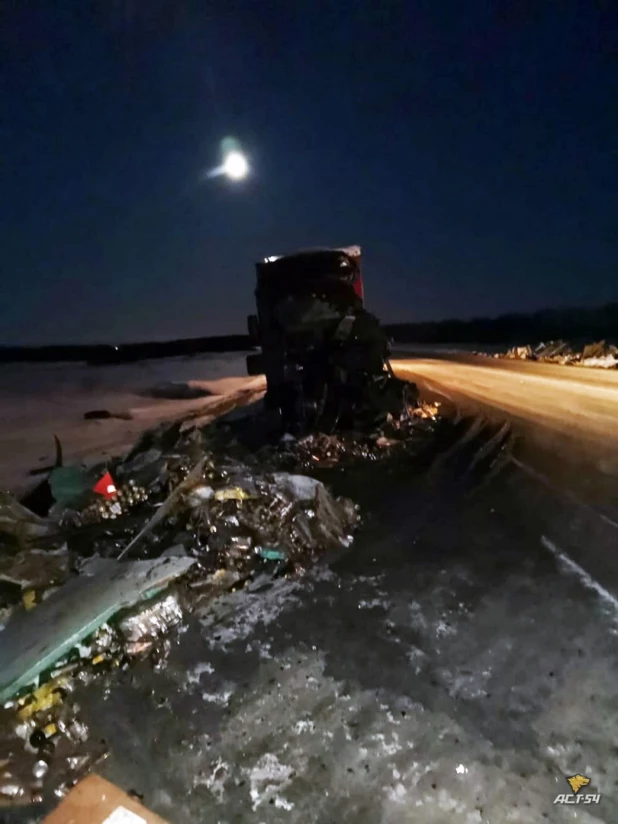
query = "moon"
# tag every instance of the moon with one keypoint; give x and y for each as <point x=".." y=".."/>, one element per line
<point x="235" y="165"/>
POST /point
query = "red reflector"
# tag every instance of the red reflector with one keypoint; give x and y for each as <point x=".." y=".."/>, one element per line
<point x="105" y="486"/>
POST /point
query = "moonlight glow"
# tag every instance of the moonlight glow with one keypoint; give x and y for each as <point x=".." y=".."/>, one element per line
<point x="235" y="165"/>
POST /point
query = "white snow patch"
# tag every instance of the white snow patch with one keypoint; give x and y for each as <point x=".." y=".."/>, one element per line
<point x="398" y="794"/>
<point x="263" y="650"/>
<point x="322" y="573"/>
<point x="193" y="676"/>
<point x="215" y="781"/>
<point x="560" y="751"/>
<point x="40" y="398"/>
<point x="252" y="610"/>
<point x="416" y="656"/>
<point x="442" y="629"/>
<point x="267" y="779"/>
<point x="449" y="804"/>
<point x="604" y="362"/>
<point x="416" y="771"/>
<point x="469" y="685"/>
<point x="375" y="603"/>
<point x="417" y="618"/>
<point x="371" y="579"/>
<point x="221" y="698"/>
<point x="388" y="748"/>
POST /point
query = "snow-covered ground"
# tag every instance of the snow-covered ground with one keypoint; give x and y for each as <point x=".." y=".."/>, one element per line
<point x="606" y="361"/>
<point x="445" y="348"/>
<point x="38" y="401"/>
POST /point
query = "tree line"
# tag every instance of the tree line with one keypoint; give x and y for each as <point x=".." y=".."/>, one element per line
<point x="572" y="324"/>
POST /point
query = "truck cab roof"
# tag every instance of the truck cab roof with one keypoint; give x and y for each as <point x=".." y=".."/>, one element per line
<point x="327" y="271"/>
<point x="350" y="251"/>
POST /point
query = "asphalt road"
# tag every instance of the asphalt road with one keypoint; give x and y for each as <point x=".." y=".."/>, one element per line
<point x="575" y="401"/>
<point x="563" y="423"/>
<point x="454" y="666"/>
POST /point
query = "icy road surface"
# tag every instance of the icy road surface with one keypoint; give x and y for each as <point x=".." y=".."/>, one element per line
<point x="568" y="399"/>
<point x="564" y="424"/>
<point x="454" y="666"/>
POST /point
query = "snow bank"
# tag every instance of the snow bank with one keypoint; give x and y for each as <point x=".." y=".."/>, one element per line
<point x="38" y="401"/>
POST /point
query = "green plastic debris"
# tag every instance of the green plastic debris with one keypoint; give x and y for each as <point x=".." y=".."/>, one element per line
<point x="272" y="554"/>
<point x="33" y="641"/>
<point x="68" y="484"/>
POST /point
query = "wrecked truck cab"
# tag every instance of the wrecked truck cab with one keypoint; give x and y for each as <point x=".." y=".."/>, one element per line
<point x="332" y="275"/>
<point x="300" y="298"/>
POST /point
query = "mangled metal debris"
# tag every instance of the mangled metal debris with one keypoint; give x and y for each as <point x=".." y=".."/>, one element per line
<point x="20" y="524"/>
<point x="198" y="512"/>
<point x="50" y="749"/>
<point x="74" y="612"/>
<point x="402" y="434"/>
<point x="84" y="630"/>
<point x="35" y="568"/>
<point x="34" y="640"/>
<point x="396" y="437"/>
<point x="143" y="626"/>
<point x="600" y="355"/>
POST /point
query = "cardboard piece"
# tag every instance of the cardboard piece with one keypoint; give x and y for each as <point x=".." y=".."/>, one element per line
<point x="96" y="801"/>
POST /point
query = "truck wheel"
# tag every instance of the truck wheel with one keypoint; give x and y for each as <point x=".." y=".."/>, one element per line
<point x="255" y="364"/>
<point x="253" y="327"/>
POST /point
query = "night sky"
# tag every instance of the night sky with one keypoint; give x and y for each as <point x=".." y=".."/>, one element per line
<point x="469" y="148"/>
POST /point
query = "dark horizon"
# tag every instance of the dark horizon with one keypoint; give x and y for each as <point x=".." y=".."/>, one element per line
<point x="575" y="324"/>
<point x="469" y="152"/>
